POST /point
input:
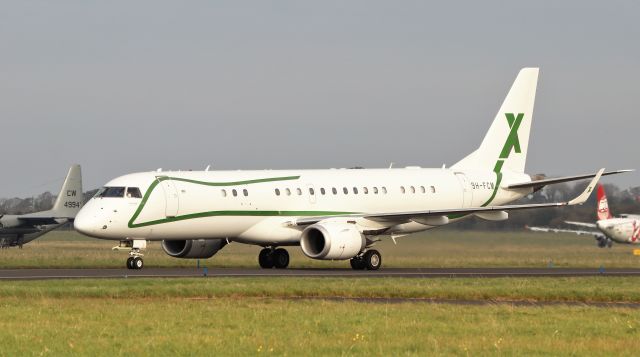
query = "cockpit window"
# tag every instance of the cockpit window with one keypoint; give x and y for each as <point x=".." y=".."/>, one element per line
<point x="110" y="192"/>
<point x="133" y="192"/>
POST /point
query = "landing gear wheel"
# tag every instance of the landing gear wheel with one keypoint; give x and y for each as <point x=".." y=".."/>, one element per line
<point x="265" y="259"/>
<point x="137" y="263"/>
<point x="372" y="259"/>
<point x="357" y="263"/>
<point x="130" y="263"/>
<point x="280" y="258"/>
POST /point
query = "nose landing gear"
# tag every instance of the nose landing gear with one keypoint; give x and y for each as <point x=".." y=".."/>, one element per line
<point x="135" y="247"/>
<point x="135" y="262"/>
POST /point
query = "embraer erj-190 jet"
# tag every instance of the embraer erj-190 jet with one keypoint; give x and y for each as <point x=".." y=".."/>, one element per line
<point x="334" y="214"/>
<point x="607" y="229"/>
<point x="16" y="230"/>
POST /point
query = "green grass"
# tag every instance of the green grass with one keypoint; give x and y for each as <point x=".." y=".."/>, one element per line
<point x="569" y="289"/>
<point x="256" y="316"/>
<point x="436" y="248"/>
<point x="230" y="326"/>
<point x="249" y="316"/>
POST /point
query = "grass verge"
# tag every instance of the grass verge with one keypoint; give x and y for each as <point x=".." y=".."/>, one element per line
<point x="569" y="289"/>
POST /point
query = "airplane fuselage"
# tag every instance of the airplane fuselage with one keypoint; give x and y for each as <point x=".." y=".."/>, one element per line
<point x="621" y="230"/>
<point x="256" y="207"/>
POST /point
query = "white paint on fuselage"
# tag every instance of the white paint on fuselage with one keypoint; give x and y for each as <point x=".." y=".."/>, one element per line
<point x="262" y="215"/>
<point x="621" y="230"/>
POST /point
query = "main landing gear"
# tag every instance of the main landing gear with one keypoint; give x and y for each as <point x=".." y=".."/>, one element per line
<point x="273" y="258"/>
<point x="370" y="260"/>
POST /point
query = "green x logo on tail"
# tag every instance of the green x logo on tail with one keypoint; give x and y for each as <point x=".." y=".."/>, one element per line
<point x="512" y="140"/>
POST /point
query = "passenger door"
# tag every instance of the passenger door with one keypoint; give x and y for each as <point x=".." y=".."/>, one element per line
<point x="170" y="195"/>
<point x="467" y="193"/>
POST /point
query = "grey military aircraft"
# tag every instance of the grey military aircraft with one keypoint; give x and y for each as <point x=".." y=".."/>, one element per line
<point x="16" y="230"/>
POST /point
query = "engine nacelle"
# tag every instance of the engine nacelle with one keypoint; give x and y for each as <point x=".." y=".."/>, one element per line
<point x="9" y="221"/>
<point x="332" y="241"/>
<point x="193" y="248"/>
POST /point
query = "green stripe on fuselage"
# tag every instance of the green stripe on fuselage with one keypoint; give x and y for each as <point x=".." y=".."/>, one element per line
<point x="227" y="213"/>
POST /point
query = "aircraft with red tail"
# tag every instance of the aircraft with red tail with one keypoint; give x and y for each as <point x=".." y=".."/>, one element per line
<point x="624" y="229"/>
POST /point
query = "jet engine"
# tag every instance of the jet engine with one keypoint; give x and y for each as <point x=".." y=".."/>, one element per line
<point x="193" y="248"/>
<point x="332" y="241"/>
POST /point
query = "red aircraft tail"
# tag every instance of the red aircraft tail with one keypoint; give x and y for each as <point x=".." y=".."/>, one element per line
<point x="603" y="206"/>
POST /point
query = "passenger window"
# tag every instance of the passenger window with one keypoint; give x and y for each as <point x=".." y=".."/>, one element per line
<point x="245" y="192"/>
<point x="335" y="192"/>
<point x="345" y="190"/>
<point x="433" y="189"/>
<point x="234" y="192"/>
<point x="384" y="190"/>
<point x="402" y="189"/>
<point x="365" y="190"/>
<point x="287" y="191"/>
<point x="422" y="189"/>
<point x="413" y="189"/>
<point x="311" y="192"/>
<point x="322" y="190"/>
<point x="133" y="192"/>
<point x="375" y="190"/>
<point x="277" y="192"/>
<point x="224" y="192"/>
<point x="298" y="191"/>
<point x="355" y="190"/>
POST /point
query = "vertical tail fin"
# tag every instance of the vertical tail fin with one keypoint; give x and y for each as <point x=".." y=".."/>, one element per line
<point x="505" y="145"/>
<point x="70" y="198"/>
<point x="603" y="205"/>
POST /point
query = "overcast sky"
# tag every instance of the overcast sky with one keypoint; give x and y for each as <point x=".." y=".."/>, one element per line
<point x="125" y="86"/>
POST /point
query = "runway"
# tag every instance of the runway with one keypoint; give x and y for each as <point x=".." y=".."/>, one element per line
<point x="39" y="274"/>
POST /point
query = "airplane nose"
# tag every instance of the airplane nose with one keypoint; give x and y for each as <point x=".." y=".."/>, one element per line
<point x="85" y="223"/>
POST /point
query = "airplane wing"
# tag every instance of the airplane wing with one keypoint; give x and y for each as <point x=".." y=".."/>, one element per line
<point x="537" y="184"/>
<point x="443" y="215"/>
<point x="581" y="224"/>
<point x="41" y="221"/>
<point x="48" y="229"/>
<point x="560" y="230"/>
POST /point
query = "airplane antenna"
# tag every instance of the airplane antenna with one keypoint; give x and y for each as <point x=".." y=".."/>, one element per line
<point x="207" y="168"/>
<point x="159" y="169"/>
<point x="391" y="165"/>
<point x="444" y="166"/>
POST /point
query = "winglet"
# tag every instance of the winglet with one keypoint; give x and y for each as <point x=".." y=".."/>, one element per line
<point x="587" y="191"/>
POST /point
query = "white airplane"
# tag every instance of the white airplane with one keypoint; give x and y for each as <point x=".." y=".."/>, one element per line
<point x="16" y="230"/>
<point x="607" y="229"/>
<point x="334" y="214"/>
